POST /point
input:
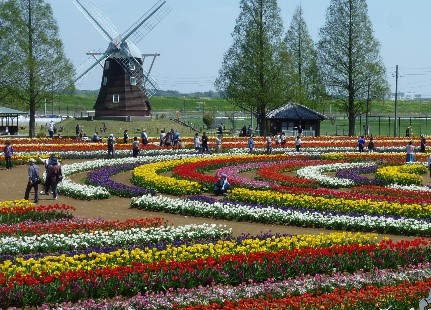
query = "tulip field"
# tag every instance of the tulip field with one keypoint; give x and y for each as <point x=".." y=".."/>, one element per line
<point x="52" y="259"/>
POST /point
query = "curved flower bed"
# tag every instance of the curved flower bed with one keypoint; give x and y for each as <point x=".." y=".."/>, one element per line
<point x="273" y="214"/>
<point x="402" y="175"/>
<point x="157" y="267"/>
<point x="102" y="177"/>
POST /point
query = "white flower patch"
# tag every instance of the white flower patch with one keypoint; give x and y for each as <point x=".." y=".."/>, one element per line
<point x="410" y="187"/>
<point x="56" y="242"/>
<point x="88" y="192"/>
<point x="232" y="211"/>
<point x="317" y="173"/>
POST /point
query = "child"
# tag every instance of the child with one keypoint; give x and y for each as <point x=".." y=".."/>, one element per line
<point x="251" y="144"/>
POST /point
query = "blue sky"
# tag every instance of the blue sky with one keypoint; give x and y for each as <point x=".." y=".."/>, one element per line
<point x="193" y="37"/>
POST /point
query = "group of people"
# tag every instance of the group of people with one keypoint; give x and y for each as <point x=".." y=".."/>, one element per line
<point x="53" y="176"/>
<point x="279" y="139"/>
<point x="410" y="150"/>
<point x="136" y="144"/>
<point x="371" y="147"/>
<point x="201" y="143"/>
<point x="170" y="138"/>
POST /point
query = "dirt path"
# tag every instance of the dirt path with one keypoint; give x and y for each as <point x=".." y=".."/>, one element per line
<point x="13" y="183"/>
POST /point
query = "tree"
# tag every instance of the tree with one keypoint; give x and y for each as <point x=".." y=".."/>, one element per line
<point x="36" y="66"/>
<point x="208" y="120"/>
<point x="306" y="82"/>
<point x="349" y="55"/>
<point x="253" y="73"/>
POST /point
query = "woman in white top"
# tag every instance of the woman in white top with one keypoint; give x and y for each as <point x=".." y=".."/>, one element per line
<point x="162" y="138"/>
<point x="197" y="142"/>
<point x="218" y="142"/>
<point x="410" y="150"/>
<point x="298" y="143"/>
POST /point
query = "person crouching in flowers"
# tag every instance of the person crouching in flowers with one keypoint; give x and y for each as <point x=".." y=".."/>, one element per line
<point x="222" y="185"/>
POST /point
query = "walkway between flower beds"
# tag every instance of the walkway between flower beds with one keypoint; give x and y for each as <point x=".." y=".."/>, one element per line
<point x="12" y="183"/>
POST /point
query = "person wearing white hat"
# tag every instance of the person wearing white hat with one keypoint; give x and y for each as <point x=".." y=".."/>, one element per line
<point x="33" y="180"/>
<point x="111" y="146"/>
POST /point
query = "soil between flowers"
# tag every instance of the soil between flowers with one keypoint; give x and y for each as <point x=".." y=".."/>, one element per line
<point x="13" y="183"/>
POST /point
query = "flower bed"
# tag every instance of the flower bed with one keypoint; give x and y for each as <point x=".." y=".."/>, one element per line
<point x="50" y="259"/>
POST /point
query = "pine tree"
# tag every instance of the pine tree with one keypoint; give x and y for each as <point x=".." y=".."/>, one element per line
<point x="253" y="73"/>
<point x="305" y="80"/>
<point x="37" y="66"/>
<point x="349" y="56"/>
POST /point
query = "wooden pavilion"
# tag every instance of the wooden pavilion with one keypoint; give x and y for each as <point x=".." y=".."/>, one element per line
<point x="292" y="117"/>
<point x="9" y="121"/>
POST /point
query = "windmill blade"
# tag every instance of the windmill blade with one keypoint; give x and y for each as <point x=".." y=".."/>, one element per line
<point x="136" y="71"/>
<point x="87" y="71"/>
<point x="100" y="22"/>
<point x="147" y="22"/>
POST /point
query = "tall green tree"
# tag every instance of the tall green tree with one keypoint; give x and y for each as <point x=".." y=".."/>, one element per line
<point x="36" y="65"/>
<point x="253" y="74"/>
<point x="306" y="84"/>
<point x="349" y="56"/>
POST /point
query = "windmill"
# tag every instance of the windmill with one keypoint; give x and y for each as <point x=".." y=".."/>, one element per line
<point x="126" y="86"/>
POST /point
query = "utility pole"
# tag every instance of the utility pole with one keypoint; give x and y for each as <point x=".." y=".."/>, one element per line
<point x="396" y="98"/>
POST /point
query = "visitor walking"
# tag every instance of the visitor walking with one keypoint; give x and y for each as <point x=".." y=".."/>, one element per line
<point x="197" y="142"/>
<point x="371" y="146"/>
<point x="51" y="129"/>
<point x="126" y="136"/>
<point x="361" y="143"/>
<point x="8" y="152"/>
<point x="33" y="180"/>
<point x="250" y="144"/>
<point x="144" y="137"/>
<point x="111" y="146"/>
<point x="47" y="162"/>
<point x="410" y="150"/>
<point x="77" y="130"/>
<point x="135" y="147"/>
<point x="162" y="137"/>
<point x="55" y="176"/>
<point x="423" y="144"/>
<point x="218" y="142"/>
<point x="298" y="143"/>
<point x="268" y="144"/>
<point x="204" y="145"/>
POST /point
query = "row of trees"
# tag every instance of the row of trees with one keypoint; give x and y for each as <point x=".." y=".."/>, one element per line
<point x="265" y="67"/>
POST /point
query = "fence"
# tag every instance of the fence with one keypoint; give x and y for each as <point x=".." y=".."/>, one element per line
<point x="378" y="126"/>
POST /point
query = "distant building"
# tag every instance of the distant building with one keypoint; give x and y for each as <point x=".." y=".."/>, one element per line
<point x="409" y="96"/>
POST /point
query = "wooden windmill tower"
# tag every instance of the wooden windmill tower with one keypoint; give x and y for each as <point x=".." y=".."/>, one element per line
<point x="126" y="86"/>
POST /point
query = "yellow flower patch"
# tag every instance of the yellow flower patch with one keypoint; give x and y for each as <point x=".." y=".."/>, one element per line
<point x="58" y="264"/>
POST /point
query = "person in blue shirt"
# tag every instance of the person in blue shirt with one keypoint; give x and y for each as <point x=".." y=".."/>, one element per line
<point x="250" y="144"/>
<point x="361" y="143"/>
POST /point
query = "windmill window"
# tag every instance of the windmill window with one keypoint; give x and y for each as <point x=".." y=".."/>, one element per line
<point x="107" y="65"/>
<point x="132" y="80"/>
<point x="115" y="98"/>
<point x="105" y="80"/>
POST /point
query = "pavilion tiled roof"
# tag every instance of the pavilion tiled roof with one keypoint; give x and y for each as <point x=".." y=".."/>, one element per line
<point x="295" y="111"/>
